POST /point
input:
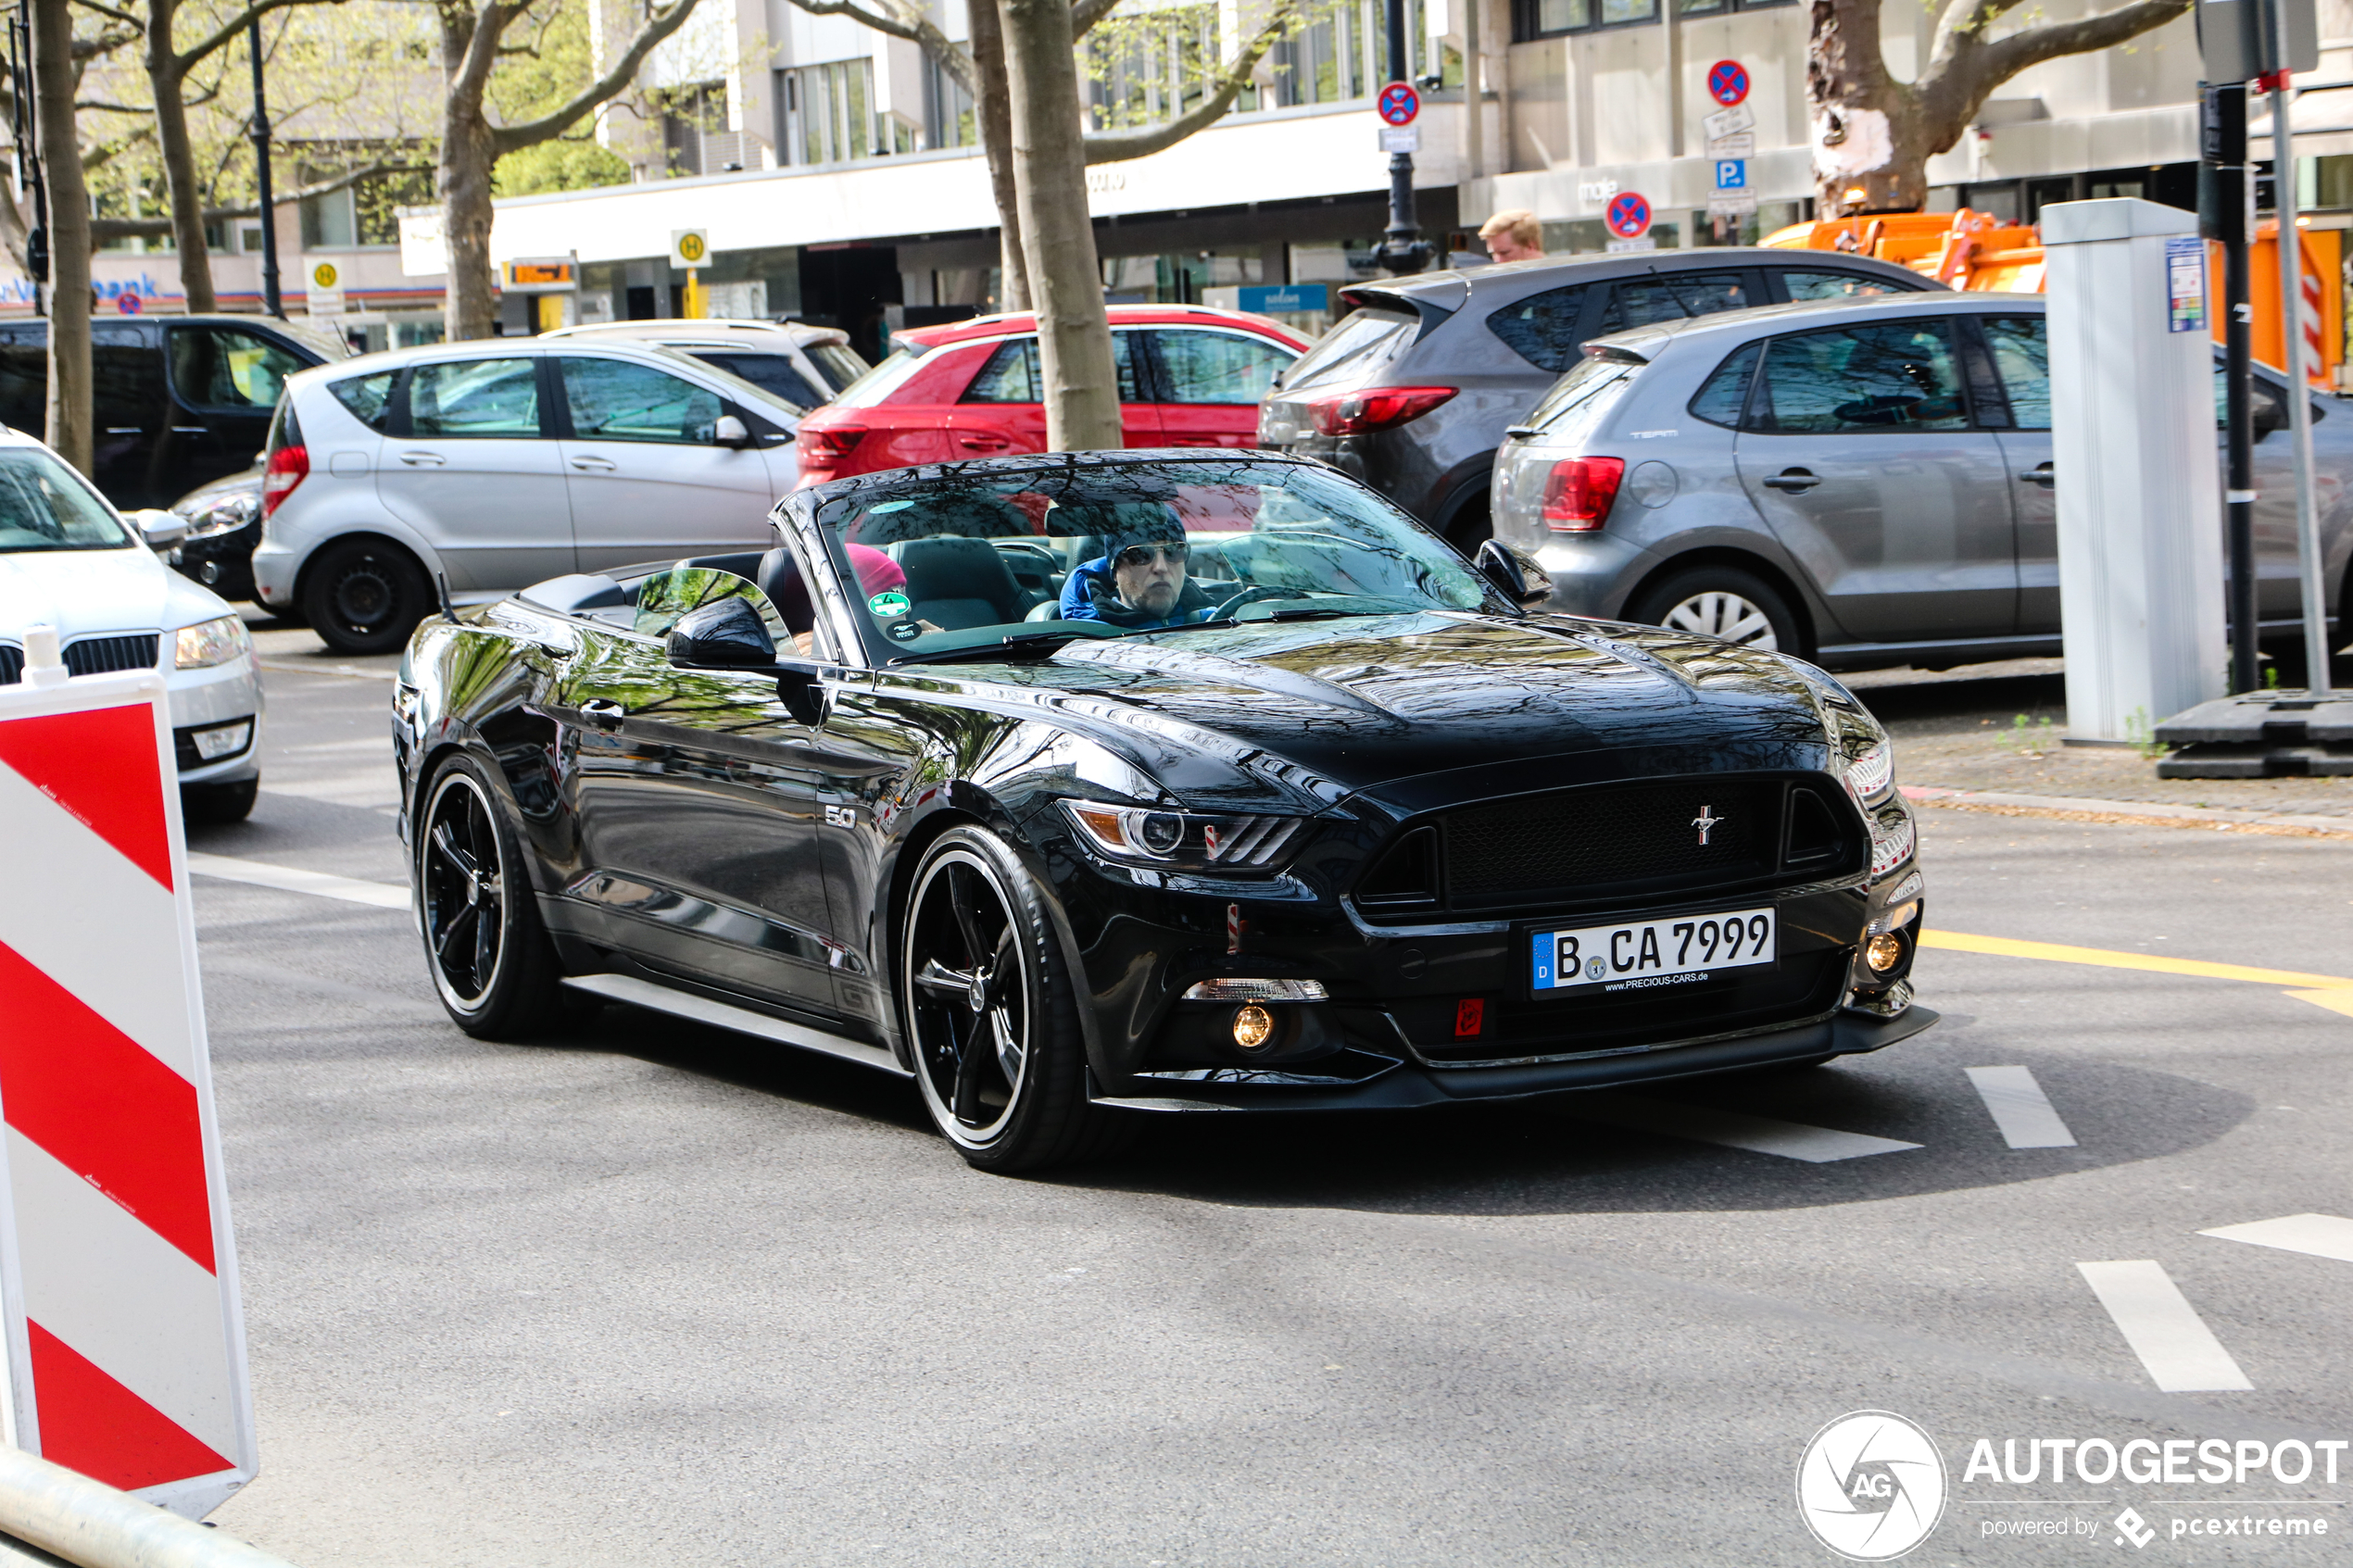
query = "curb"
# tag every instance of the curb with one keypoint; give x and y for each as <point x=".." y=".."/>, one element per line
<point x="2130" y="813"/>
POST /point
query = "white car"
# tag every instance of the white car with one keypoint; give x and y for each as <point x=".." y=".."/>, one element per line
<point x="489" y="466"/>
<point x="801" y="364"/>
<point x="70" y="561"/>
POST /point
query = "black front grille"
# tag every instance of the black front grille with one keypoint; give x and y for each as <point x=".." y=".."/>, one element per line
<point x="1613" y="842"/>
<point x="103" y="655"/>
<point x="11" y="664"/>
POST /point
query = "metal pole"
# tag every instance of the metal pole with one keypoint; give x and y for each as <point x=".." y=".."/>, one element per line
<point x="271" y="301"/>
<point x="25" y="132"/>
<point x="2227" y="222"/>
<point x="2299" y="396"/>
<point x="1402" y="250"/>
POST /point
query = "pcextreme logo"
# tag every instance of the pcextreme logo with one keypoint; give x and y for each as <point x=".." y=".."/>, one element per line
<point x="1871" y="1486"/>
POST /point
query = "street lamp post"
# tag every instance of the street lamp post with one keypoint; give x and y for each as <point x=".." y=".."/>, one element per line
<point x="1403" y="250"/>
<point x="271" y="301"/>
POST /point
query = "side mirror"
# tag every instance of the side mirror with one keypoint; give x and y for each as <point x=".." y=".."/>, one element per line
<point x="2269" y="414"/>
<point x="728" y="633"/>
<point x="730" y="431"/>
<point x="161" y="528"/>
<point x="1516" y="572"/>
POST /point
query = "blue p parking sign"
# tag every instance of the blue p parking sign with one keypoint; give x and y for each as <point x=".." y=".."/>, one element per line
<point x="1732" y="173"/>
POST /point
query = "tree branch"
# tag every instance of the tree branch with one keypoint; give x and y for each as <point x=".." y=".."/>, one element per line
<point x="1119" y="147"/>
<point x="1086" y="13"/>
<point x="660" y="25"/>
<point x="221" y="35"/>
<point x="902" y="21"/>
<point x="1965" y="67"/>
<point x="158" y="227"/>
<point x="123" y="17"/>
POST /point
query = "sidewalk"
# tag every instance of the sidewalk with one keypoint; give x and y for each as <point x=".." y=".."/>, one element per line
<point x="1991" y="738"/>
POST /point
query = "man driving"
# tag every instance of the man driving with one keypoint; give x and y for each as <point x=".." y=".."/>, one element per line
<point x="1140" y="581"/>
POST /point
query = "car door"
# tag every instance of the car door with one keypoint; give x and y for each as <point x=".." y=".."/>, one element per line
<point x="224" y="387"/>
<point x="696" y="794"/>
<point x="1859" y="452"/>
<point x="472" y="467"/>
<point x="1210" y="382"/>
<point x="133" y="442"/>
<point x="2020" y="351"/>
<point x="648" y="479"/>
<point x="1000" y="410"/>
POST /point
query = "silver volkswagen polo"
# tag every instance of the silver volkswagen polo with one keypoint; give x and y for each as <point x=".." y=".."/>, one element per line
<point x="1866" y="482"/>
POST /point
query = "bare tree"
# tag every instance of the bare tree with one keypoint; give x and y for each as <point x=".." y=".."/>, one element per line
<point x="55" y="81"/>
<point x="473" y="37"/>
<point x="1874" y="135"/>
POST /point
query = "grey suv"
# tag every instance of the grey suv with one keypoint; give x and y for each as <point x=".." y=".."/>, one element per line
<point x="1412" y="391"/>
<point x="1866" y="482"/>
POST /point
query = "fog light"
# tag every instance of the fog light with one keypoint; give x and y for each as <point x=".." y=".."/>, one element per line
<point x="1884" y="952"/>
<point x="1253" y="1026"/>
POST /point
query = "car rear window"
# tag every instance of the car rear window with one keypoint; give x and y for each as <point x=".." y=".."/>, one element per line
<point x="1583" y="395"/>
<point x="1541" y="329"/>
<point x="836" y="362"/>
<point x="1358" y="344"/>
<point x="369" y="399"/>
<point x="878" y="383"/>
<point x="770" y="373"/>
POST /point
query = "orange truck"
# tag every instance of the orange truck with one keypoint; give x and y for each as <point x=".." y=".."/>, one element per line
<point x="1975" y="250"/>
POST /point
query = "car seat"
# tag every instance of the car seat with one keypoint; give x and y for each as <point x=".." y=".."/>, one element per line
<point x="957" y="584"/>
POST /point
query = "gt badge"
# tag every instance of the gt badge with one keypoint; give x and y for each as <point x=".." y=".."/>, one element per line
<point x="1706" y="824"/>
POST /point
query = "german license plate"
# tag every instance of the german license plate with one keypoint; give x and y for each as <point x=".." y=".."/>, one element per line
<point x="1641" y="954"/>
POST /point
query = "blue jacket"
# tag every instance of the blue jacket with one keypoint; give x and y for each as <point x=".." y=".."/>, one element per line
<point x="1088" y="595"/>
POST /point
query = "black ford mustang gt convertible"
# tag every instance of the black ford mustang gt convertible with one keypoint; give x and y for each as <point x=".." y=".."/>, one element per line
<point x="1073" y="786"/>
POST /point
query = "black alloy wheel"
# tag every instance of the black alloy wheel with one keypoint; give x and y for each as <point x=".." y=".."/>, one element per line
<point x="492" y="963"/>
<point x="363" y="596"/>
<point x="992" y="1018"/>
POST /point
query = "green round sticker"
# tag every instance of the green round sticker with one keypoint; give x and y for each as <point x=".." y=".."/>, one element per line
<point x="889" y="603"/>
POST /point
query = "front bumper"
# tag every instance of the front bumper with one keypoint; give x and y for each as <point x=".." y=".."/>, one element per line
<point x="206" y="699"/>
<point x="1358" y="1079"/>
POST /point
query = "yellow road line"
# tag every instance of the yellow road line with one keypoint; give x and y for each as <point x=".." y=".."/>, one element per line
<point x="2010" y="948"/>
<point x="2335" y="1001"/>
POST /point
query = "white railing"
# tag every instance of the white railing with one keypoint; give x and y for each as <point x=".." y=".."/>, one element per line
<point x="77" y="1520"/>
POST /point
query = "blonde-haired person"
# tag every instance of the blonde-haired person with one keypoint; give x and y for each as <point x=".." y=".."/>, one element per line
<point x="1512" y="235"/>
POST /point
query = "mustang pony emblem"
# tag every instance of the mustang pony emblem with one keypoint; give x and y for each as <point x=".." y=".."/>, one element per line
<point x="1706" y="824"/>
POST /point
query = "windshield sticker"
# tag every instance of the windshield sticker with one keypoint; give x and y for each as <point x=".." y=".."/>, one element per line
<point x="888" y="603"/>
<point x="905" y="631"/>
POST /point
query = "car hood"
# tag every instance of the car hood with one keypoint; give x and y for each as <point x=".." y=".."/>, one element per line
<point x="1415" y="710"/>
<point x="83" y="592"/>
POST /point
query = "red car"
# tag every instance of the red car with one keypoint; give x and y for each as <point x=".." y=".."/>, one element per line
<point x="1189" y="376"/>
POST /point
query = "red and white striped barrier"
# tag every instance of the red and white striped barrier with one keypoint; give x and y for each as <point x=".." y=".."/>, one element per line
<point x="118" y="1276"/>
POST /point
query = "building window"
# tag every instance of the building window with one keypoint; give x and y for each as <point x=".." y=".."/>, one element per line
<point x="329" y="222"/>
<point x="1549" y="18"/>
<point x="1716" y="8"/>
<point x="688" y="114"/>
<point x="828" y="115"/>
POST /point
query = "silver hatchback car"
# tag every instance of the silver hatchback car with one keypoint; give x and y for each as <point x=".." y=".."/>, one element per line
<point x="1867" y="481"/>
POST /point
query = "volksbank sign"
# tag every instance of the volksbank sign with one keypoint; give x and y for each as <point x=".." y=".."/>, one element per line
<point x="1872" y="1485"/>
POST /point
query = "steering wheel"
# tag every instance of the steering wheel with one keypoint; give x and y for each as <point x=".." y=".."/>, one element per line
<point x="1252" y="595"/>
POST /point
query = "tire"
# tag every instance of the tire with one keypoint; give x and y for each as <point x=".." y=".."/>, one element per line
<point x="980" y="966"/>
<point x="492" y="964"/>
<point x="218" y="805"/>
<point x="364" y="596"/>
<point x="1721" y="601"/>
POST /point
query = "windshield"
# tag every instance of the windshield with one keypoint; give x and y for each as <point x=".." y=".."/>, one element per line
<point x="1361" y="344"/>
<point x="965" y="562"/>
<point x="45" y="508"/>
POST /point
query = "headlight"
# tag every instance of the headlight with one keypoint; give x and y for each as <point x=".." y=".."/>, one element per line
<point x="1140" y="835"/>
<point x="1870" y="774"/>
<point x="224" y="516"/>
<point x="209" y="643"/>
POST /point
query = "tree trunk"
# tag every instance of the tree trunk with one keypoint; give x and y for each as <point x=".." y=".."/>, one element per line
<point x="1864" y="130"/>
<point x="467" y="156"/>
<point x="167" y="80"/>
<point x="993" y="117"/>
<point x="1058" y="236"/>
<point x="67" y="426"/>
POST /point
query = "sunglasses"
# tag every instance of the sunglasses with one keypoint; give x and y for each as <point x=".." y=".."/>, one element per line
<point x="1144" y="554"/>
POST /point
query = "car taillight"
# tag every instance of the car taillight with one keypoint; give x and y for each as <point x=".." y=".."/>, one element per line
<point x="1578" y="491"/>
<point x="1373" y="408"/>
<point x="831" y="443"/>
<point x="288" y="467"/>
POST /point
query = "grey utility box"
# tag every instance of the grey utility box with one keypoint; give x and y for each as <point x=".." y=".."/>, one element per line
<point x="2139" y="497"/>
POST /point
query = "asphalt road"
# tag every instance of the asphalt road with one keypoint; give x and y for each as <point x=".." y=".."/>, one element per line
<point x="652" y="1294"/>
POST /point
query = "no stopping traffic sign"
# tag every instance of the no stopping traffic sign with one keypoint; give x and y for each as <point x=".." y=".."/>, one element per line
<point x="1629" y="216"/>
<point x="1399" y="103"/>
<point x="1727" y="81"/>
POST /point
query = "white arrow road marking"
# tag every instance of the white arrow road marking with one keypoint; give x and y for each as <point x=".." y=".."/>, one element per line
<point x="1760" y="1134"/>
<point x="2019" y="1107"/>
<point x="2164" y="1330"/>
<point x="2322" y="1235"/>
<point x="291" y="879"/>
